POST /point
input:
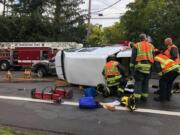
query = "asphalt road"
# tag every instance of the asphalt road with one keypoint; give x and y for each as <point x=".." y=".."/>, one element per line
<point x="71" y="120"/>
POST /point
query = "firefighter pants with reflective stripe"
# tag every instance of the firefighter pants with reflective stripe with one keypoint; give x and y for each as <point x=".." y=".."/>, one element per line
<point x="113" y="81"/>
<point x="165" y="84"/>
<point x="117" y="89"/>
<point x="141" y="84"/>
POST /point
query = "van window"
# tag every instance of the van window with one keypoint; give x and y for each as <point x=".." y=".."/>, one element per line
<point x="71" y="50"/>
<point x="15" y="54"/>
<point x="87" y="50"/>
<point x="55" y="51"/>
<point x="45" y="55"/>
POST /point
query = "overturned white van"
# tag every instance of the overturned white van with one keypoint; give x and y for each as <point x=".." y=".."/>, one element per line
<point x="84" y="66"/>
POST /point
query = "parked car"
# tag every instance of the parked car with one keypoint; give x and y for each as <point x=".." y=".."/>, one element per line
<point x="44" y="68"/>
<point x="84" y="66"/>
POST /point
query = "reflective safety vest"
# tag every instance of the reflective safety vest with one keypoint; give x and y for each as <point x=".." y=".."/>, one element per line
<point x="168" y="53"/>
<point x="167" y="64"/>
<point x="112" y="74"/>
<point x="144" y="51"/>
<point x="111" y="69"/>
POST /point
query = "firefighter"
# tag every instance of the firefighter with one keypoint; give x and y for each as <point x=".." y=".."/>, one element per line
<point x="172" y="51"/>
<point x="168" y="70"/>
<point x="140" y="67"/>
<point x="114" y="76"/>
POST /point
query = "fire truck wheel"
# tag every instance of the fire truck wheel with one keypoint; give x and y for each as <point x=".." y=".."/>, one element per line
<point x="4" y="65"/>
<point x="41" y="72"/>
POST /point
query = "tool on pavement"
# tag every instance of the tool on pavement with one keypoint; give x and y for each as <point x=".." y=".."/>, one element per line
<point x="176" y="88"/>
<point x="129" y="102"/>
<point x="50" y="93"/>
<point x="127" y="98"/>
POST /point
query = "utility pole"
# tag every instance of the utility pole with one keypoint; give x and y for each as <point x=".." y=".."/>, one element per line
<point x="89" y="19"/>
<point x="4" y="7"/>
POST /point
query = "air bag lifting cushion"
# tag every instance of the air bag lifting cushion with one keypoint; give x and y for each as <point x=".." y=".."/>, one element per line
<point x="87" y="103"/>
<point x="90" y="92"/>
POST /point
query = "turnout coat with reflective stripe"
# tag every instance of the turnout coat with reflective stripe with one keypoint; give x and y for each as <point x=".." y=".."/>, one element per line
<point x="144" y="51"/>
<point x="168" y="53"/>
<point x="167" y="64"/>
<point x="112" y="73"/>
<point x="111" y="69"/>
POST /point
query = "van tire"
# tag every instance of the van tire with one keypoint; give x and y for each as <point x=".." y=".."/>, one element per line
<point x="41" y="72"/>
<point x="4" y="65"/>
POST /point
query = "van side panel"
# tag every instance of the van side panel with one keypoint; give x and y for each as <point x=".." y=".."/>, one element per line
<point x="84" y="69"/>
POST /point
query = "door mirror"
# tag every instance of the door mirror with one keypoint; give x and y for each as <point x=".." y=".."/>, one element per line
<point x="52" y="60"/>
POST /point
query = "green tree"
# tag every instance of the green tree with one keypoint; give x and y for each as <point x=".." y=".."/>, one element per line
<point x="157" y="18"/>
<point x="96" y="35"/>
<point x="68" y="22"/>
<point x="113" y="34"/>
<point x="43" y="20"/>
<point x="29" y="7"/>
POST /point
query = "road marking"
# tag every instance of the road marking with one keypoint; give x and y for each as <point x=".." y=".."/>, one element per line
<point x="152" y="111"/>
<point x="171" y="113"/>
<point x="37" y="100"/>
<point x="25" y="99"/>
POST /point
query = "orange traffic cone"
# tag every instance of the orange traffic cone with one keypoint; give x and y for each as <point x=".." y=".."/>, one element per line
<point x="9" y="75"/>
<point x="27" y="74"/>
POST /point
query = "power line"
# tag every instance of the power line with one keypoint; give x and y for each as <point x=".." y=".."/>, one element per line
<point x="89" y="17"/>
<point x="107" y="7"/>
<point x="114" y="14"/>
<point x="105" y="3"/>
<point x="96" y="18"/>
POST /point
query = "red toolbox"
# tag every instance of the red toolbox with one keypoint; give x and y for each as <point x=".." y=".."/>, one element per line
<point x="50" y="93"/>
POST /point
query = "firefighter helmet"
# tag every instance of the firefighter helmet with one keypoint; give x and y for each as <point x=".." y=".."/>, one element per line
<point x="111" y="57"/>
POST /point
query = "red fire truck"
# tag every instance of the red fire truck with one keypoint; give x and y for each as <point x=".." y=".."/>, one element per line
<point x="24" y="56"/>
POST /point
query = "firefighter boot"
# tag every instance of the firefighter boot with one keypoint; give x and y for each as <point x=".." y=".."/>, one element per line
<point x="120" y="92"/>
<point x="103" y="90"/>
<point x="132" y="103"/>
<point x="137" y="99"/>
<point x="144" y="99"/>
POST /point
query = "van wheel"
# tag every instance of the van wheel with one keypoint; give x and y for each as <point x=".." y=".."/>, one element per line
<point x="4" y="65"/>
<point x="41" y="72"/>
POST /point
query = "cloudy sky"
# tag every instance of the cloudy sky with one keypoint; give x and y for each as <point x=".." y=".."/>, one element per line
<point x="110" y="15"/>
<point x="1" y="8"/>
